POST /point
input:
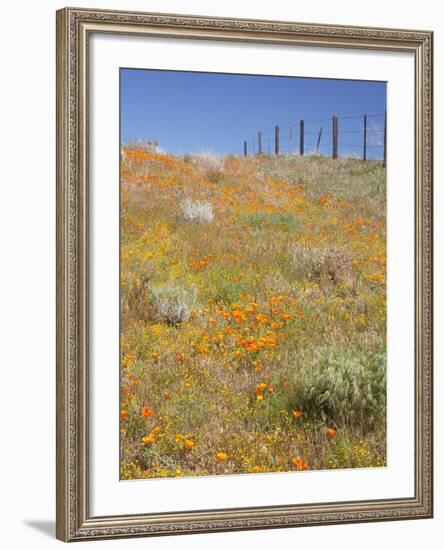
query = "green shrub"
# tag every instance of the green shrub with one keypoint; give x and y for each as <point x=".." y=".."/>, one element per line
<point x="349" y="389"/>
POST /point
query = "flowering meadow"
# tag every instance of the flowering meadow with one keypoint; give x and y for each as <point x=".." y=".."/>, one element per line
<point x="253" y="314"/>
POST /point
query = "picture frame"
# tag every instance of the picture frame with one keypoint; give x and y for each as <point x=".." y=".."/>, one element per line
<point x="75" y="28"/>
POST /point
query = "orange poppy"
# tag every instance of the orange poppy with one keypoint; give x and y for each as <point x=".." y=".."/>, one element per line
<point x="299" y="464"/>
<point x="147" y="440"/>
<point x="221" y="457"/>
<point x="330" y="432"/>
<point x="147" y="411"/>
<point x="260" y="388"/>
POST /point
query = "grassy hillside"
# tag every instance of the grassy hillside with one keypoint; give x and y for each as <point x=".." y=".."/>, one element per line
<point x="253" y="314"/>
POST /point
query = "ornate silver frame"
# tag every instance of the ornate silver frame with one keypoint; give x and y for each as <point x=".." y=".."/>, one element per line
<point x="73" y="519"/>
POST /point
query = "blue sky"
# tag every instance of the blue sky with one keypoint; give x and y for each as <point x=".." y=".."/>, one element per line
<point x="189" y="112"/>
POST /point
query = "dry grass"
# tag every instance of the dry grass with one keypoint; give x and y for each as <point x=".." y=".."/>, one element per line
<point x="253" y="314"/>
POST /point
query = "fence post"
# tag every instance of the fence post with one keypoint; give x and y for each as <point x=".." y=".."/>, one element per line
<point x="335" y="137"/>
<point x="245" y="149"/>
<point x="259" y="143"/>
<point x="276" y="140"/>
<point x="301" y="138"/>
<point x="365" y="137"/>
<point x="385" y="140"/>
<point x="319" y="140"/>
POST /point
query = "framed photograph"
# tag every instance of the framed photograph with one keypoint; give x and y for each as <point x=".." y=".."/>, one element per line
<point x="244" y="274"/>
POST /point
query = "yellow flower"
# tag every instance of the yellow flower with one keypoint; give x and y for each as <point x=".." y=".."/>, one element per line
<point x="188" y="444"/>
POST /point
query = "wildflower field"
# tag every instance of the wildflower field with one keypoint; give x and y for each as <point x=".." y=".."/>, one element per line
<point x="253" y="314"/>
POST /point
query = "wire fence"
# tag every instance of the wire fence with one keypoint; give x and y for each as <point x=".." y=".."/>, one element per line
<point x="362" y="136"/>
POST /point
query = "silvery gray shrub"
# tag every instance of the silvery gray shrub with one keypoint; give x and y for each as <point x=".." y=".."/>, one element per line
<point x="197" y="211"/>
<point x="173" y="304"/>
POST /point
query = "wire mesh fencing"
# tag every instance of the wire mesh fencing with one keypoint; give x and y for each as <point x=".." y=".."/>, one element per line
<point x="362" y="136"/>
